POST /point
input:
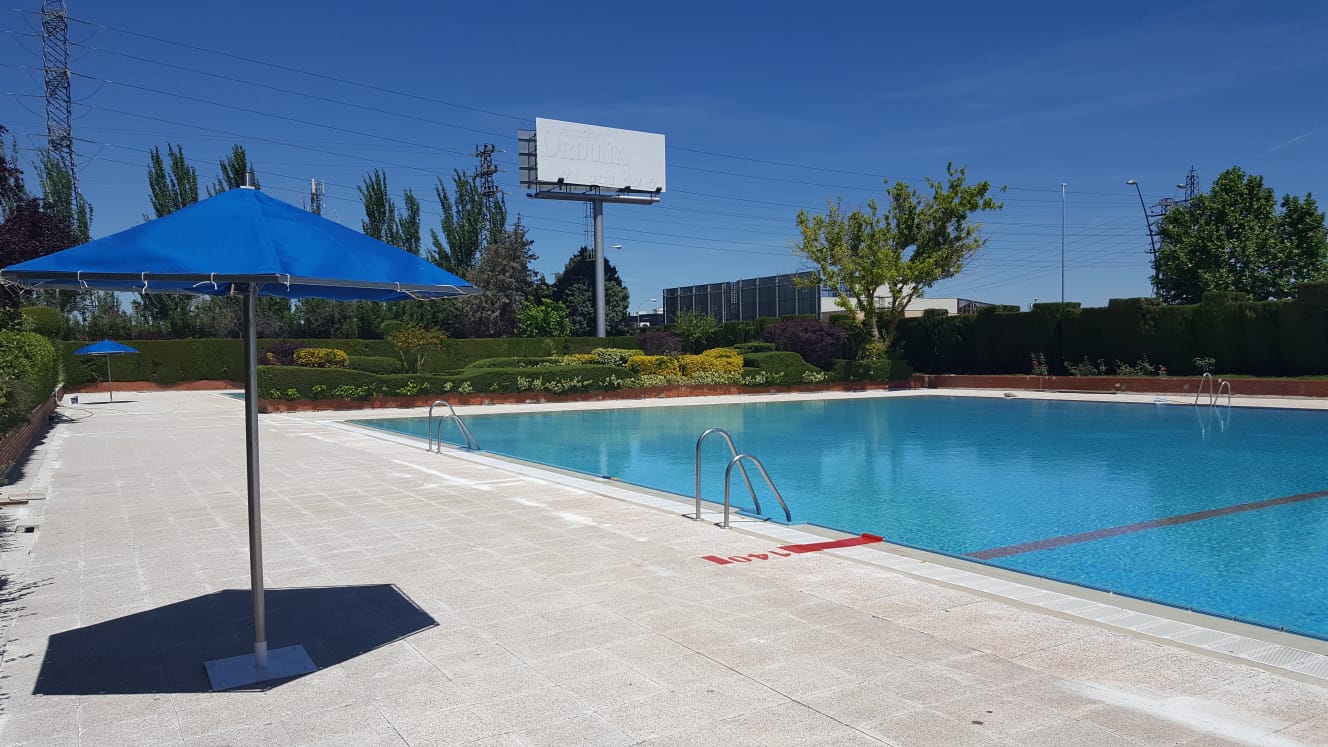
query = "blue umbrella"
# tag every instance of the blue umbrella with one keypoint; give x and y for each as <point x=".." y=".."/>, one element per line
<point x="244" y="243"/>
<point x="106" y="348"/>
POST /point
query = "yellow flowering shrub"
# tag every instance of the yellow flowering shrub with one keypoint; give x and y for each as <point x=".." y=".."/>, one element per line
<point x="322" y="358"/>
<point x="722" y="361"/>
<point x="653" y="365"/>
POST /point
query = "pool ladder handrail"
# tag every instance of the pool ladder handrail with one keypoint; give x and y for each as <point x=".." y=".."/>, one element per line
<point x="1207" y="378"/>
<point x="437" y="436"/>
<point x="728" y="483"/>
<point x="1215" y="389"/>
<point x="733" y="450"/>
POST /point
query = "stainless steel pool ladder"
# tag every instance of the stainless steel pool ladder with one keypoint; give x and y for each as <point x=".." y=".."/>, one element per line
<point x="737" y="461"/>
<point x="1215" y="389"/>
<point x="436" y="435"/>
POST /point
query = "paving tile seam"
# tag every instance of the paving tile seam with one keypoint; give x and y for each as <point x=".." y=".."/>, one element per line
<point x="1264" y="654"/>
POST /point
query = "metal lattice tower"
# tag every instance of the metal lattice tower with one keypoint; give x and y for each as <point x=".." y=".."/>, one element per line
<point x="485" y="171"/>
<point x="1191" y="186"/>
<point x="59" y="104"/>
<point x="316" y="197"/>
<point x="588" y="225"/>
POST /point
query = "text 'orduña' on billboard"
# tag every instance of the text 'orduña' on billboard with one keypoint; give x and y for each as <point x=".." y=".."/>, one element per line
<point x="599" y="156"/>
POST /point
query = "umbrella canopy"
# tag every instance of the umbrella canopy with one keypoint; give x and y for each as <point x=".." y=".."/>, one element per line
<point x="105" y="347"/>
<point x="237" y="238"/>
<point x="243" y="242"/>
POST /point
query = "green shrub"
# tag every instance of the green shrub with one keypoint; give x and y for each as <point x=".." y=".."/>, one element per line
<point x="754" y="347"/>
<point x="321" y="358"/>
<point x="28" y="375"/>
<point x="296" y="382"/>
<point x="511" y="379"/>
<point x="882" y="369"/>
<point x="779" y="367"/>
<point x="614" y="356"/>
<point x="375" y="364"/>
<point x="46" y="321"/>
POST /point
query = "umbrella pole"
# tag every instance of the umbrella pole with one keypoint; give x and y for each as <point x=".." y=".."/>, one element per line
<point x="251" y="453"/>
<point x="108" y="378"/>
<point x="286" y="661"/>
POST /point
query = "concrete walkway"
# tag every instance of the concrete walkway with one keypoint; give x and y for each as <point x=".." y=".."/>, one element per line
<point x="450" y="600"/>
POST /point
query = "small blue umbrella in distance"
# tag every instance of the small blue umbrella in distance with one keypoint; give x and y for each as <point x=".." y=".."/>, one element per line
<point x="106" y="348"/>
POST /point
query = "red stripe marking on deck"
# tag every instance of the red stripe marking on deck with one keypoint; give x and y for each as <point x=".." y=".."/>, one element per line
<point x="865" y="539"/>
<point x="1070" y="539"/>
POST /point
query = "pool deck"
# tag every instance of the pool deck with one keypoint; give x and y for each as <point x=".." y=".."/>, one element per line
<point x="460" y="598"/>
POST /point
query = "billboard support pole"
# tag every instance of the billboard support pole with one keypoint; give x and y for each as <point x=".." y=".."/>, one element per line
<point x="599" y="267"/>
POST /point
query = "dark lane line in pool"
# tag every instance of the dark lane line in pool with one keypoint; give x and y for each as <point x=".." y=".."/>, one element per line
<point x="1070" y="539"/>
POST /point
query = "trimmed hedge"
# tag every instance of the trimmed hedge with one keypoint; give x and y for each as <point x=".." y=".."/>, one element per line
<point x="28" y="375"/>
<point x="1261" y="338"/>
<point x="779" y="367"/>
<point x="174" y="361"/>
<point x="376" y="364"/>
<point x="512" y="362"/>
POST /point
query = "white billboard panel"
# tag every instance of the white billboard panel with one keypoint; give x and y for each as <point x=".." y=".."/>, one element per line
<point x="599" y="156"/>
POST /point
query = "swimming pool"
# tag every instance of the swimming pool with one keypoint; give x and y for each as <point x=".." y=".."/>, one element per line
<point x="1211" y="509"/>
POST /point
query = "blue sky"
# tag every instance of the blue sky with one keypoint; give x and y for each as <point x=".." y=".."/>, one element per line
<point x="766" y="107"/>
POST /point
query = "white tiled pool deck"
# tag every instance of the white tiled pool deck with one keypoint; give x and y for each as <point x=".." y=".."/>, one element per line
<point x="554" y="609"/>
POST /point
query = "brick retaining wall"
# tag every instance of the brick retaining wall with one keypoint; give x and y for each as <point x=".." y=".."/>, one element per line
<point x="15" y="443"/>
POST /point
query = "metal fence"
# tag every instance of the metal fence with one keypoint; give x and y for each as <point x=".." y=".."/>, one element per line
<point x="745" y="300"/>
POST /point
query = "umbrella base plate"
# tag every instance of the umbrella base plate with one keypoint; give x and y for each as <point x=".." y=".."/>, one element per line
<point x="238" y="671"/>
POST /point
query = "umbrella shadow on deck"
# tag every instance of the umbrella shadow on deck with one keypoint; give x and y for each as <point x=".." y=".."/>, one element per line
<point x="162" y="650"/>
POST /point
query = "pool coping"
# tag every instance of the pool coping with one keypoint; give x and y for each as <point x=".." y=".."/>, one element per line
<point x="1285" y="653"/>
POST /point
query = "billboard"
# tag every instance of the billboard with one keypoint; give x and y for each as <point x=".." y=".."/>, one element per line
<point x="605" y="157"/>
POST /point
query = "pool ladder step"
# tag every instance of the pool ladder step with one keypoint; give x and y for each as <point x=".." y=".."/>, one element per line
<point x="736" y="461"/>
<point x="436" y="434"/>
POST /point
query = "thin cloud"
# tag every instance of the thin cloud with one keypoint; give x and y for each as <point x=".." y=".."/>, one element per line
<point x="1285" y="143"/>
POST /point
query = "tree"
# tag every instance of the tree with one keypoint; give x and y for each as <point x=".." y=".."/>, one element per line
<point x="469" y="223"/>
<point x="57" y="186"/>
<point x="408" y="224"/>
<point x="546" y="318"/>
<point x="696" y="329"/>
<point x="13" y="192"/>
<point x="504" y="276"/>
<point x="233" y="169"/>
<point x="916" y="242"/>
<point x="380" y="212"/>
<point x="1233" y="238"/>
<point x="30" y="232"/>
<point x="574" y="287"/>
<point x="414" y="343"/>
<point x="173" y="188"/>
<point x="60" y="200"/>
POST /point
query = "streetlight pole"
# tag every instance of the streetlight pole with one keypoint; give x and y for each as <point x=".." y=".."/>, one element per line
<point x="638" y="310"/>
<point x="1148" y="222"/>
<point x="1063" y="185"/>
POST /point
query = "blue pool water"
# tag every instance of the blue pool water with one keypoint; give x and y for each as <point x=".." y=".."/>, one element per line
<point x="962" y="475"/>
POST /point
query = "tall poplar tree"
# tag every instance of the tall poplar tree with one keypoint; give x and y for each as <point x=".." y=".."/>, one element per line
<point x="233" y="168"/>
<point x="469" y="224"/>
